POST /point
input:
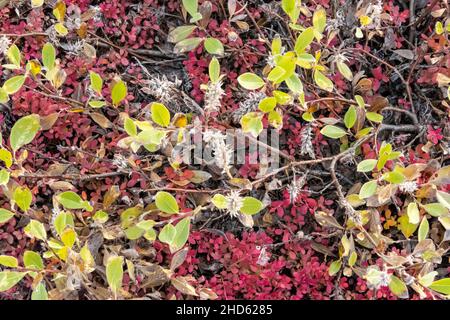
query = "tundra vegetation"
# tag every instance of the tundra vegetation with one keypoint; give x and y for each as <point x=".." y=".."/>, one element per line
<point x="99" y="100"/>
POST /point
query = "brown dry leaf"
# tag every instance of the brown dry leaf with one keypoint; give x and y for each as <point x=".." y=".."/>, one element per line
<point x="246" y="220"/>
<point x="442" y="176"/>
<point x="48" y="121"/>
<point x="364" y="85"/>
<point x="405" y="53"/>
<point x="413" y="171"/>
<point x="89" y="51"/>
<point x="322" y="249"/>
<point x="326" y="220"/>
<point x="61" y="186"/>
<point x="200" y="176"/>
<point x="178" y="258"/>
<point x="378" y="104"/>
<point x="111" y="196"/>
<point x="181" y="284"/>
<point x="241" y="183"/>
<point x="207" y="294"/>
<point x="101" y="120"/>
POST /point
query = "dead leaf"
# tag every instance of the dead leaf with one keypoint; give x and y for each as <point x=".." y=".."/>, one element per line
<point x="181" y="284"/>
<point x="101" y="120"/>
<point x="111" y="196"/>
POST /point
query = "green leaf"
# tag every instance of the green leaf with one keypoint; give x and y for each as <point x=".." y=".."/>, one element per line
<point x="118" y="92"/>
<point x="375" y="117"/>
<point x="32" y="260"/>
<point x="291" y="8"/>
<point x="9" y="279"/>
<point x="428" y="279"/>
<point x="114" y="273"/>
<point x="436" y="209"/>
<point x="214" y="46"/>
<point x="24" y="131"/>
<point x="335" y="266"/>
<point x="181" y="234"/>
<point x="441" y="286"/>
<point x="71" y="200"/>
<point x="368" y="189"/>
<point x="134" y="232"/>
<point x="344" y="70"/>
<point x="36" y="229"/>
<point x="352" y="259"/>
<point x="12" y="85"/>
<point x="413" y="213"/>
<point x="40" y="292"/>
<point x="22" y="197"/>
<point x="360" y="101"/>
<point x="6" y="157"/>
<point x="423" y="229"/>
<point x="5" y="215"/>
<point x="366" y="165"/>
<point x="180" y="33"/>
<point x="166" y="202"/>
<point x="100" y="216"/>
<point x="8" y="261"/>
<point x="398" y="287"/>
<point x="130" y="127"/>
<point x="96" y="82"/>
<point x="220" y="201"/>
<point x="167" y="233"/>
<point x="252" y="123"/>
<point x="294" y="84"/>
<point x="276" y="74"/>
<point x="48" y="56"/>
<point x="322" y="81"/>
<point x="160" y="114"/>
<point x="333" y="132"/>
<point x="191" y="7"/>
<point x="4" y="98"/>
<point x="443" y="198"/>
<point x="267" y="104"/>
<point x="214" y="70"/>
<point x="350" y="117"/>
<point x="62" y="221"/>
<point x="304" y="40"/>
<point x="275" y="119"/>
<point x="14" y="55"/>
<point x="394" y="177"/>
<point x="97" y="104"/>
<point x="251" y="206"/>
<point x="320" y="20"/>
<point x="405" y="227"/>
<point x="187" y="45"/>
<point x="4" y="177"/>
<point x="250" y="81"/>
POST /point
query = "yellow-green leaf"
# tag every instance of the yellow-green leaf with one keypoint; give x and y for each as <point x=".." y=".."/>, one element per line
<point x="350" y="117"/>
<point x="333" y="132"/>
<point x="36" y="229"/>
<point x="368" y="189"/>
<point x="9" y="279"/>
<point x="8" y="261"/>
<point x="214" y="46"/>
<point x="250" y="81"/>
<point x="22" y="197"/>
<point x="24" y="131"/>
<point x="12" y="85"/>
<point x="166" y="202"/>
<point x="119" y="92"/>
<point x="214" y="70"/>
<point x="5" y="215"/>
<point x="322" y="81"/>
<point x="160" y="114"/>
<point x="48" y="56"/>
<point x="114" y="273"/>
<point x="251" y="206"/>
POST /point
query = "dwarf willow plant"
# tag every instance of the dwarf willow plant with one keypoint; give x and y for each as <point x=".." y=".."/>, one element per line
<point x="180" y="35"/>
<point x="420" y="206"/>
